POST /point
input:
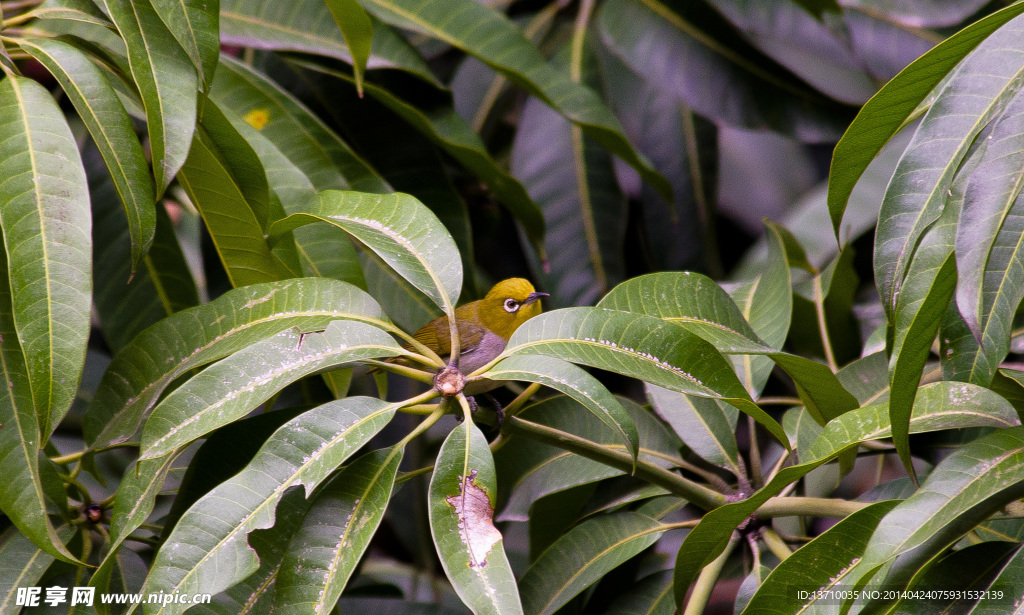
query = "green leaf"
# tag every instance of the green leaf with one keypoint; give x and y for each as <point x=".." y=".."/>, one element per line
<point x="163" y="284"/>
<point x="44" y="218"/>
<point x="194" y="337"/>
<point x="407" y="158"/>
<point x="111" y="129"/>
<point x="987" y="238"/>
<point x="408" y="308"/>
<point x="255" y="594"/>
<point x="818" y="564"/>
<point x="207" y="550"/>
<point x="342" y="519"/>
<point x="297" y="132"/>
<point x="963" y="489"/>
<point x="691" y="300"/>
<point x="399" y="229"/>
<point x="461" y="505"/>
<point x="357" y="29"/>
<point x="223" y="454"/>
<point x="583" y="556"/>
<point x="938" y="406"/>
<point x="22" y="564"/>
<point x="922" y="303"/>
<point x="447" y="130"/>
<point x="76" y="10"/>
<point x="574" y="382"/>
<point x="699" y="305"/>
<point x="918" y="191"/>
<point x="166" y="80"/>
<point x="691" y="53"/>
<point x="631" y="344"/>
<point x="884" y="115"/>
<point x="21" y="496"/>
<point x="306" y="26"/>
<point x="195" y="24"/>
<point x="239" y="383"/>
<point x="323" y="251"/>
<point x="233" y="220"/>
<point x="969" y="570"/>
<point x="766" y="302"/>
<point x="529" y="470"/>
<point x="489" y="36"/>
<point x="706" y="426"/>
<point x="817" y="51"/>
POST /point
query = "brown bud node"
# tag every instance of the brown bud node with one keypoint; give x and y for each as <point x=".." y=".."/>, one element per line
<point x="449" y="381"/>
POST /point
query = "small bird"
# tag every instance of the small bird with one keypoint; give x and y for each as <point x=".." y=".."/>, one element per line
<point x="484" y="326"/>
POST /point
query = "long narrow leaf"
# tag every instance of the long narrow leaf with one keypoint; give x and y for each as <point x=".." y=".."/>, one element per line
<point x="191" y="338"/>
<point x="207" y="550"/>
<point x="44" y="216"/>
<point x="335" y="532"/>
<point x="21" y="496"/>
<point x="640" y="346"/>
<point x="237" y="384"/>
<point x="167" y="81"/>
<point x="885" y="113"/>
<point x="195" y="24"/>
<point x="400" y="230"/>
<point x="111" y="130"/>
<point x="979" y="91"/>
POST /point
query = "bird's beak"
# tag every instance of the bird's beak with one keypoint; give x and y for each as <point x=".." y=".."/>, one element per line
<point x="533" y="297"/>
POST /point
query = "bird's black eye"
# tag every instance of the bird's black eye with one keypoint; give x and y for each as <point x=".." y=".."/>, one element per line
<point x="511" y="306"/>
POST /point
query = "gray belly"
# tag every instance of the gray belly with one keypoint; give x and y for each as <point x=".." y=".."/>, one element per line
<point x="471" y="359"/>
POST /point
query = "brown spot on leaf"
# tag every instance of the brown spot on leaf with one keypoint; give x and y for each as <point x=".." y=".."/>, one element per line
<point x="476" y="520"/>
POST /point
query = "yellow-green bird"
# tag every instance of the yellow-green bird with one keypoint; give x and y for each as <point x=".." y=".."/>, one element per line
<point x="484" y="326"/>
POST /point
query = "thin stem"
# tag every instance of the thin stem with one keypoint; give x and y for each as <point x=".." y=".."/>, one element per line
<point x="680" y="524"/>
<point x="778" y="465"/>
<point x="708" y="578"/>
<point x="697" y="494"/>
<point x="420" y="409"/>
<point x="819" y="308"/>
<point x="20" y="19"/>
<point x="811" y="507"/>
<point x="413" y="474"/>
<point x="775" y="544"/>
<point x="513" y="408"/>
<point x="427" y="422"/>
<point x="705" y="213"/>
<point x="72" y="457"/>
<point x="409" y="372"/>
<point x="755" y="453"/>
<point x="780" y="401"/>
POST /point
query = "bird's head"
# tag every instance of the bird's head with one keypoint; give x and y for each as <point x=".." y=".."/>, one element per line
<point x="509" y="304"/>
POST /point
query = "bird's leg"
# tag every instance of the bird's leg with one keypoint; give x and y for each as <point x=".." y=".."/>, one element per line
<point x="499" y="411"/>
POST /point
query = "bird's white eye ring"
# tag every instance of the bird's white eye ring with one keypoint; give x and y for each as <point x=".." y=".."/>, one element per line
<point x="511" y="306"/>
